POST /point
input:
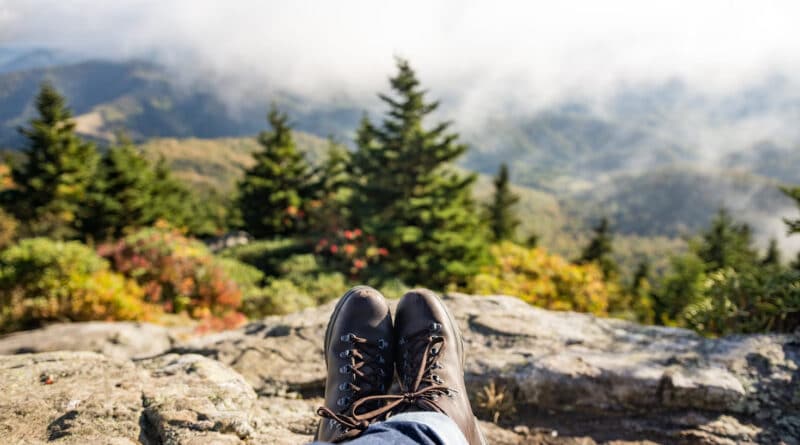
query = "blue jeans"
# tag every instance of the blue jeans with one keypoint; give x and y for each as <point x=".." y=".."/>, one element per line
<point x="415" y="428"/>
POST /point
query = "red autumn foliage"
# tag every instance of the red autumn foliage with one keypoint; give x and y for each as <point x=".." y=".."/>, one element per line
<point x="350" y="251"/>
<point x="179" y="274"/>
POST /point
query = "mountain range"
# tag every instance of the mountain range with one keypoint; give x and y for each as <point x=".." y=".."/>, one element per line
<point x="659" y="160"/>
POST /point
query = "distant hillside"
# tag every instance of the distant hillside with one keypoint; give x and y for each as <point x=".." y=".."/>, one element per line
<point x="680" y="200"/>
<point x="144" y="100"/>
<point x="217" y="164"/>
<point x="19" y="58"/>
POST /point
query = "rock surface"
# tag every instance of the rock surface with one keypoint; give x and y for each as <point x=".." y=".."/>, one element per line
<point x="546" y="377"/>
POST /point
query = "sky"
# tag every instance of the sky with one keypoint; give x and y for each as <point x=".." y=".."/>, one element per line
<point x="523" y="52"/>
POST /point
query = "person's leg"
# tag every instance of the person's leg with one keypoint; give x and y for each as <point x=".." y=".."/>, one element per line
<point x="414" y="428"/>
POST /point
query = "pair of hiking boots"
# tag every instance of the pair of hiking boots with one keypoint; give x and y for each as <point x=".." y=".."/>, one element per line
<point x="363" y="349"/>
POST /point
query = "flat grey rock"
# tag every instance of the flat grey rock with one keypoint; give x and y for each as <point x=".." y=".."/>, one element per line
<point x="570" y="379"/>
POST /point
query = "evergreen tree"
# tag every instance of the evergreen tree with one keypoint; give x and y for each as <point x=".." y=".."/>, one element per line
<point x="331" y="176"/>
<point x="640" y="275"/>
<point x="51" y="183"/>
<point x="122" y="194"/>
<point x="773" y="255"/>
<point x="408" y="197"/>
<point x="793" y="225"/>
<point x="503" y="221"/>
<point x="794" y="193"/>
<point x="173" y="202"/>
<point x="600" y="249"/>
<point x="640" y="291"/>
<point x="328" y="209"/>
<point x="275" y="192"/>
<point x="727" y="244"/>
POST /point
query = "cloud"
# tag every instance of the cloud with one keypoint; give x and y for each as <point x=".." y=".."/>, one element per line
<point x="515" y="53"/>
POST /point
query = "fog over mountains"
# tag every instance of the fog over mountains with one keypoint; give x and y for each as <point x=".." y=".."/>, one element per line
<point x="655" y="115"/>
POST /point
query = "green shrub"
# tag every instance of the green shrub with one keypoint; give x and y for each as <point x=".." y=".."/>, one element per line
<point x="278" y="297"/>
<point x="266" y="255"/>
<point x="302" y="283"/>
<point x="247" y="277"/>
<point x="746" y="302"/>
<point x="43" y="280"/>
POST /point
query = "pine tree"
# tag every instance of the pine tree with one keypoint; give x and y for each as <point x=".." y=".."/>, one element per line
<point x="600" y="249"/>
<point x="122" y="193"/>
<point x="641" y="292"/>
<point x="793" y="225"/>
<point x="332" y="175"/>
<point x="406" y="195"/>
<point x="773" y="255"/>
<point x="328" y="208"/>
<point x="51" y="183"/>
<point x="502" y="220"/>
<point x="727" y="244"/>
<point x="275" y="192"/>
<point x="642" y="273"/>
<point x="173" y="202"/>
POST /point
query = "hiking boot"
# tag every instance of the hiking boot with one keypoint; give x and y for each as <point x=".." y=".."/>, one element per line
<point x="359" y="358"/>
<point x="430" y="362"/>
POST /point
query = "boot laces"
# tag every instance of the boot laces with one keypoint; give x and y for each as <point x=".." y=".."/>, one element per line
<point x="367" y="377"/>
<point x="421" y="352"/>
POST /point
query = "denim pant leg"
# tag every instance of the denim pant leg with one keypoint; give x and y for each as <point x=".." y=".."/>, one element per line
<point x="416" y="428"/>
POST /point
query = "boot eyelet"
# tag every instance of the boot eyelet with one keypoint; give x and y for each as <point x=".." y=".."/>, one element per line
<point x="381" y="372"/>
<point x="344" y="401"/>
<point x="382" y="344"/>
<point x="402" y="341"/>
<point x="436" y="327"/>
<point x="381" y="360"/>
<point x="344" y="369"/>
<point x="434" y="351"/>
<point x="347" y="338"/>
<point x="345" y="354"/>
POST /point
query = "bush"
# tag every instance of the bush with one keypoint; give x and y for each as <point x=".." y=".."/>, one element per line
<point x="543" y="280"/>
<point x="302" y="283"/>
<point x="8" y="229"/>
<point x="248" y="278"/>
<point x="266" y="255"/>
<point x="176" y="272"/>
<point x="43" y="280"/>
<point x="278" y="297"/>
<point x="745" y="302"/>
<point x="351" y="252"/>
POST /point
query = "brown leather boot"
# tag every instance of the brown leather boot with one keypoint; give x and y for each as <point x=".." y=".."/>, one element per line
<point x="430" y="361"/>
<point x="359" y="357"/>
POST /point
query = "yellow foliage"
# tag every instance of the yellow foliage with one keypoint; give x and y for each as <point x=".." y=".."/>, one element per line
<point x="106" y="295"/>
<point x="543" y="279"/>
